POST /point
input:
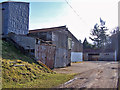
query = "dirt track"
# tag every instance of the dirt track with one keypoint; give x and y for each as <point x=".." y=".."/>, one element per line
<point x="92" y="75"/>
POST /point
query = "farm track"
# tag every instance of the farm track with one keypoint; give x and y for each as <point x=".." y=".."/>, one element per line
<point x="105" y="75"/>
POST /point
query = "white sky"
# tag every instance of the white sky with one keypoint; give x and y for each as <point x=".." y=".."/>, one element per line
<point x="90" y="12"/>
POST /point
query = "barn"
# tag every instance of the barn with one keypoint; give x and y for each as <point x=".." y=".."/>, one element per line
<point x="55" y="47"/>
<point x="66" y="44"/>
<point x="99" y="55"/>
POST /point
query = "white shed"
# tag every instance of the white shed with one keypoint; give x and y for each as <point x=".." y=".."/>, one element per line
<point x="76" y="56"/>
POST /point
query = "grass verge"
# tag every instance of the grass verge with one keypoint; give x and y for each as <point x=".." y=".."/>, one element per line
<point x="20" y="71"/>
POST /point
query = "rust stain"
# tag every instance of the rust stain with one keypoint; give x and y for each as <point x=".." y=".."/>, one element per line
<point x="46" y="54"/>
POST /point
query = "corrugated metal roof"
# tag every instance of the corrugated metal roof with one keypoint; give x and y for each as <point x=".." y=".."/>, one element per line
<point x="47" y="29"/>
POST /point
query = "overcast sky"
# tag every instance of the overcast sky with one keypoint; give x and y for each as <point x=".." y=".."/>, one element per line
<point x="53" y="13"/>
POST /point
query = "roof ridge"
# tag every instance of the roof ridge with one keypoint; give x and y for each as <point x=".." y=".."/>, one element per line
<point x="46" y="29"/>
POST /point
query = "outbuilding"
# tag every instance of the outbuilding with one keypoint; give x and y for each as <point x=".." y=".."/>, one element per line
<point x="66" y="44"/>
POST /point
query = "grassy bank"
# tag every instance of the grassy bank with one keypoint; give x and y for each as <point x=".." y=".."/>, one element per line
<point x="20" y="71"/>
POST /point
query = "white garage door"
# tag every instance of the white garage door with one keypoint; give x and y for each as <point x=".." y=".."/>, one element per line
<point x="76" y="56"/>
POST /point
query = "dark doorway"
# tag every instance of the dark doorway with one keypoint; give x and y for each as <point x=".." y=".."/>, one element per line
<point x="93" y="57"/>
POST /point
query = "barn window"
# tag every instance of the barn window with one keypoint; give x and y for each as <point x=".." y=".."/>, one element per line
<point x="69" y="43"/>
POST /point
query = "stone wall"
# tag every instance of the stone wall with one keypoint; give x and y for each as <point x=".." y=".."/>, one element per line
<point x="24" y="41"/>
<point x="0" y="18"/>
<point x="15" y="17"/>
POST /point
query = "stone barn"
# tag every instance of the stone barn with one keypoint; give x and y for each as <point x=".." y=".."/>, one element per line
<point x="63" y="40"/>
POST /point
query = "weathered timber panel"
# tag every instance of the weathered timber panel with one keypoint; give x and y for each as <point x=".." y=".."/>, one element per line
<point x="46" y="54"/>
<point x="69" y="58"/>
<point x="47" y="36"/>
<point x="60" y="39"/>
<point x="61" y="57"/>
<point x="76" y="44"/>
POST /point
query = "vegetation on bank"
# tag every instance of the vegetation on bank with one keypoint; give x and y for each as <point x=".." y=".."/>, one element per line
<point x="21" y="71"/>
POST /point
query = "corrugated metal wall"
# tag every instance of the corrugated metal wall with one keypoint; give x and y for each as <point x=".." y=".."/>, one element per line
<point x="61" y="57"/>
<point x="60" y="39"/>
<point x="110" y="56"/>
<point x="46" y="54"/>
<point x="76" y="44"/>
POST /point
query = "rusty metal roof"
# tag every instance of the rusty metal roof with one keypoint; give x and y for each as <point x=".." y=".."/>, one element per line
<point x="47" y="29"/>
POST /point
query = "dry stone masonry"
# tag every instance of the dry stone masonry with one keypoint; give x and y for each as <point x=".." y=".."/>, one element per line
<point x="15" y="17"/>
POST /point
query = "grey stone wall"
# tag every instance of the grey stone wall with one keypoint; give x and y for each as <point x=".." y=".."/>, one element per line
<point x="24" y="41"/>
<point x="15" y="17"/>
<point x="0" y="18"/>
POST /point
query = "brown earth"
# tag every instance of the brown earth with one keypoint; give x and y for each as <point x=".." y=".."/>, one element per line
<point x="94" y="74"/>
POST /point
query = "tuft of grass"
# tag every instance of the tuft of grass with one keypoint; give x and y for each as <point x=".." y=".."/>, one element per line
<point x="20" y="71"/>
